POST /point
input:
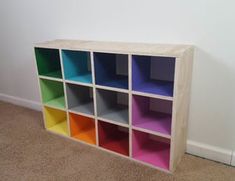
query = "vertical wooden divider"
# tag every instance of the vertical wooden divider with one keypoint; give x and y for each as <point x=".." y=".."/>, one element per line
<point x="65" y="92"/>
<point x="94" y="96"/>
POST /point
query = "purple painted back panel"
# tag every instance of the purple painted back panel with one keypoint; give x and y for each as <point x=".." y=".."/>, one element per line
<point x="152" y="114"/>
<point x="140" y="105"/>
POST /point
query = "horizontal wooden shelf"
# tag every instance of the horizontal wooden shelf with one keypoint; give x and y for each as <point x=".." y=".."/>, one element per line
<point x="164" y="50"/>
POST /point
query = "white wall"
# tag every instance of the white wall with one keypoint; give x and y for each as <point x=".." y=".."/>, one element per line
<point x="209" y="25"/>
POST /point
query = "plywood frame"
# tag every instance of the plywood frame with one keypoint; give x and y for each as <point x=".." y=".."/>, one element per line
<point x="183" y="55"/>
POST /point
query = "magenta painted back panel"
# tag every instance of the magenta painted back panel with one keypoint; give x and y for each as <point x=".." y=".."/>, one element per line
<point x="153" y="151"/>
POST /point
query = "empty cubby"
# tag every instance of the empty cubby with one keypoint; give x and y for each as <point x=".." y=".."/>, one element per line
<point x="112" y="105"/>
<point x="82" y="128"/>
<point x="56" y="121"/>
<point x="151" y="149"/>
<point x="52" y="93"/>
<point x="153" y="74"/>
<point x="80" y="98"/>
<point x="113" y="137"/>
<point x="77" y="66"/>
<point x="111" y="70"/>
<point x="48" y="62"/>
<point x="152" y="114"/>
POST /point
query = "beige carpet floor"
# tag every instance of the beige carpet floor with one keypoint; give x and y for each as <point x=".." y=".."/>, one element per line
<point x="28" y="152"/>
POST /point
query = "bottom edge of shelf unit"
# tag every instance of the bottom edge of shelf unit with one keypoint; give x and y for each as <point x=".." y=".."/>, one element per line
<point x="58" y="134"/>
<point x="111" y="152"/>
<point x="88" y="142"/>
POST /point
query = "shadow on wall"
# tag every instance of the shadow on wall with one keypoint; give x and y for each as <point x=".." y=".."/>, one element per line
<point x="212" y="110"/>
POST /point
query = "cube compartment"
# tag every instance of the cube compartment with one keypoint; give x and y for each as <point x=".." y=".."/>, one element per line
<point x="111" y="70"/>
<point x="152" y="114"/>
<point x="56" y="121"/>
<point x="82" y="128"/>
<point x="77" y="66"/>
<point x="112" y="105"/>
<point x="113" y="137"/>
<point x="52" y="93"/>
<point x="80" y="98"/>
<point x="152" y="74"/>
<point x="151" y="149"/>
<point x="48" y="62"/>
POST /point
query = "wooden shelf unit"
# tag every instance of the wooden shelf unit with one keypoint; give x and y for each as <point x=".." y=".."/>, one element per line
<point x="131" y="99"/>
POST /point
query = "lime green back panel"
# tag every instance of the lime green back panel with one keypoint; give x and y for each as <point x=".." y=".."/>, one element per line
<point x="51" y="90"/>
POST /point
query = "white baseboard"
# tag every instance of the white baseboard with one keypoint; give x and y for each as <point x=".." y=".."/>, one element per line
<point x="21" y="102"/>
<point x="194" y="148"/>
<point x="209" y="152"/>
<point x="233" y="159"/>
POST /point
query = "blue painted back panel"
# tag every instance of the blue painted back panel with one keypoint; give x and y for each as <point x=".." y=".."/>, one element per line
<point x="105" y="71"/>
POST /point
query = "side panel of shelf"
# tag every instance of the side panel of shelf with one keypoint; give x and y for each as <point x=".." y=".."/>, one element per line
<point x="130" y="103"/>
<point x="183" y="76"/>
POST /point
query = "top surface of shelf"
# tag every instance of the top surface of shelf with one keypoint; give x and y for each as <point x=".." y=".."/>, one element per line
<point x="169" y="50"/>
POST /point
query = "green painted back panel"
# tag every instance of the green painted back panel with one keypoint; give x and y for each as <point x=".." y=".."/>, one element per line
<point x="52" y="91"/>
<point x="48" y="62"/>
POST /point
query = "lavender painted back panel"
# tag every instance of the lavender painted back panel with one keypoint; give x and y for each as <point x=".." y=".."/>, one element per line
<point x="153" y="74"/>
<point x="162" y="68"/>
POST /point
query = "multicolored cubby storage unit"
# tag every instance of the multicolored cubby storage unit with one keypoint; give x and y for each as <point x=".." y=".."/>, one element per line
<point x="126" y="98"/>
